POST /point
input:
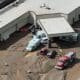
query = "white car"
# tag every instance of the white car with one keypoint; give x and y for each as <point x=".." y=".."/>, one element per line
<point x="42" y="36"/>
<point x="33" y="44"/>
<point x="37" y="39"/>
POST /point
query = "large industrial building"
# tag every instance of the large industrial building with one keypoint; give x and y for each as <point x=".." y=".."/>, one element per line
<point x="54" y="15"/>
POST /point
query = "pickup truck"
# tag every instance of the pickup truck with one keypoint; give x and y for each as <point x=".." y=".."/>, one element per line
<point x="65" y="60"/>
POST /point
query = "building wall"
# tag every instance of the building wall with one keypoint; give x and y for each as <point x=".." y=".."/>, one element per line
<point x="71" y="17"/>
<point x="32" y="17"/>
<point x="6" y="33"/>
<point x="77" y="13"/>
<point x="74" y="16"/>
<point x="44" y="16"/>
<point x="10" y="28"/>
<point x="22" y="20"/>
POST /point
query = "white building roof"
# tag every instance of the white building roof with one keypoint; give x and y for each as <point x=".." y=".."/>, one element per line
<point x="57" y="6"/>
<point x="67" y="6"/>
<point x="56" y="27"/>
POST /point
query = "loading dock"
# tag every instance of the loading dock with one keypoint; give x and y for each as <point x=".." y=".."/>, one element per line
<point x="56" y="27"/>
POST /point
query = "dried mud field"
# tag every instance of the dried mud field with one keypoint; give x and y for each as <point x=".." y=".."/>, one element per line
<point x="18" y="64"/>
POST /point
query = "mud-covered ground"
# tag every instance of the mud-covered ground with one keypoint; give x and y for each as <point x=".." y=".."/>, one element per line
<point x="18" y="64"/>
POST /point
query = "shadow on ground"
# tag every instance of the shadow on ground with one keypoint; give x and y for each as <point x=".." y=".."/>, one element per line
<point x="67" y="45"/>
<point x="77" y="61"/>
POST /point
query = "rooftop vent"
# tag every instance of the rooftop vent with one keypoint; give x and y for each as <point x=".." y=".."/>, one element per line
<point x="46" y="6"/>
